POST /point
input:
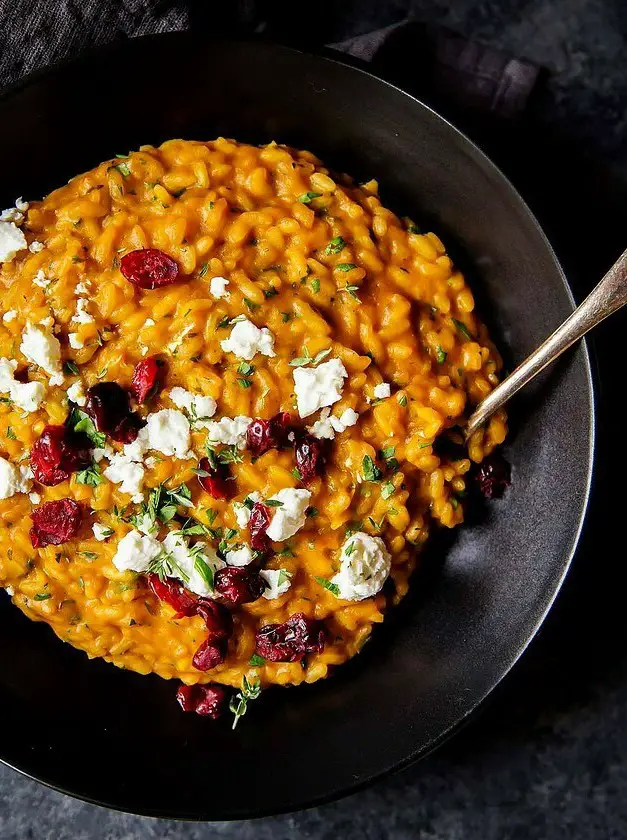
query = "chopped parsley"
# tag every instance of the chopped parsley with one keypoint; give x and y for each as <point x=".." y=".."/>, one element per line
<point x="91" y="476"/>
<point x="250" y="690"/>
<point x="462" y="328"/>
<point x="345" y="266"/>
<point x="350" y="549"/>
<point x="256" y="661"/>
<point x="245" y="369"/>
<point x="402" y="400"/>
<point x="305" y="198"/>
<point x="307" y="359"/>
<point x="42" y="596"/>
<point x="440" y="355"/>
<point x="370" y="469"/>
<point x="387" y="490"/>
<point x="11" y="434"/>
<point x="223" y="322"/>
<point x="352" y="290"/>
<point x="297" y="474"/>
<point x="286" y="316"/>
<point x="387" y="453"/>
<point x="251" y="305"/>
<point x="332" y="587"/>
<point x="123" y="168"/>
<point x="70" y="367"/>
<point x="315" y="285"/>
<point x="203" y="269"/>
<point x="81" y="422"/>
<point x="244" y="383"/>
<point x="273" y="503"/>
<point x="336" y="245"/>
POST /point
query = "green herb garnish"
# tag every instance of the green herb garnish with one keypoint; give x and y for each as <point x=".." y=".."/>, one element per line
<point x="81" y="422"/>
<point x="305" y="198"/>
<point x="387" y="490"/>
<point x="315" y="285"/>
<point x="307" y="359"/>
<point x="370" y="469"/>
<point x="11" y="434"/>
<point x="256" y="661"/>
<point x="345" y="266"/>
<point x="70" y="367"/>
<point x="440" y="355"/>
<point x="332" y="587"/>
<point x="251" y="689"/>
<point x="91" y="476"/>
<point x="42" y="596"/>
<point x="462" y="328"/>
<point x="402" y="400"/>
<point x="335" y="246"/>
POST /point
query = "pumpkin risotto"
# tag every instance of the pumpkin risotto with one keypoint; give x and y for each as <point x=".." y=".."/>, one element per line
<point x="222" y="377"/>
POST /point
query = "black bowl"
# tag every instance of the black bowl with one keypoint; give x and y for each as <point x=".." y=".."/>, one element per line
<point x="119" y="739"/>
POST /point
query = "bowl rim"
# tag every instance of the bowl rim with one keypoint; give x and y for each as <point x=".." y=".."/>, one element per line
<point x="202" y="39"/>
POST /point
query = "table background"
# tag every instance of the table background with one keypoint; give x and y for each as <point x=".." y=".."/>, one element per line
<point x="547" y="755"/>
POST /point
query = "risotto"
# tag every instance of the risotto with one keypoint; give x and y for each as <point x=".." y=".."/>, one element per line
<point x="223" y="374"/>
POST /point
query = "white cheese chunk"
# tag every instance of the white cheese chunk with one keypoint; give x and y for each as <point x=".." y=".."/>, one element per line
<point x="364" y="567"/>
<point x="82" y="288"/>
<point x="231" y="432"/>
<point x="82" y="316"/>
<point x="168" y="431"/>
<point x="326" y="427"/>
<point x="135" y="552"/>
<point x="289" y="516"/>
<point x="9" y="316"/>
<point x="198" y="564"/>
<point x="247" y="339"/>
<point x="317" y="387"/>
<point x="278" y="580"/>
<point x="242" y="512"/>
<point x="76" y="342"/>
<point x="101" y="532"/>
<point x="240" y="556"/>
<point x="12" y="240"/>
<point x="198" y="407"/>
<point x="127" y="473"/>
<point x="42" y="348"/>
<point x="26" y="395"/>
<point x="76" y="393"/>
<point x="382" y="391"/>
<point x="10" y="591"/>
<point x="35" y="498"/>
<point x="41" y="280"/>
<point x="13" y="479"/>
<point x="36" y="247"/>
<point x="217" y="287"/>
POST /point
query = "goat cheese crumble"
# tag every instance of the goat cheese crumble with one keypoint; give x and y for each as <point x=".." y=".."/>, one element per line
<point x="135" y="552"/>
<point x="26" y="395"/>
<point x="42" y="348"/>
<point x="76" y="393"/>
<point x="318" y="387"/>
<point x="12" y="240"/>
<point x="364" y="567"/>
<point x="231" y="432"/>
<point x="278" y="582"/>
<point x="13" y="479"/>
<point x="9" y="316"/>
<point x="198" y="564"/>
<point x="242" y="511"/>
<point x="198" y="407"/>
<point x="289" y="513"/>
<point x="382" y="391"/>
<point x="241" y="556"/>
<point x="101" y="532"/>
<point x="246" y="340"/>
<point x="217" y="287"/>
<point x="326" y="427"/>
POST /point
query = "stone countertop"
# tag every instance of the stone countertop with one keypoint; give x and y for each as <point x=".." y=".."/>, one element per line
<point x="546" y="757"/>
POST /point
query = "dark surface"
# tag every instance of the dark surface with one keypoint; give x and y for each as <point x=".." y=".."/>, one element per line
<point x="451" y="642"/>
<point x="546" y="757"/>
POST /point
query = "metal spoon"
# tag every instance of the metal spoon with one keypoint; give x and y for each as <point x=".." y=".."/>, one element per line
<point x="603" y="300"/>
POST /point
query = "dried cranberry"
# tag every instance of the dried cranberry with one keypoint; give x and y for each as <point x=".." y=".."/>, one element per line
<point x="55" y="522"/>
<point x="148" y="378"/>
<point x="239" y="585"/>
<point x="263" y="435"/>
<point x="493" y="476"/>
<point x="217" y="619"/>
<point x="149" y="268"/>
<point x="174" y="593"/>
<point x="209" y="655"/>
<point x="207" y="700"/>
<point x="108" y="404"/>
<point x="290" y="641"/>
<point x="58" y="452"/>
<point x="309" y="454"/>
<point x="214" y="477"/>
<point x="258" y="525"/>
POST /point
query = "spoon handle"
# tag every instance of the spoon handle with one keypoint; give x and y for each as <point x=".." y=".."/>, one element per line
<point x="603" y="300"/>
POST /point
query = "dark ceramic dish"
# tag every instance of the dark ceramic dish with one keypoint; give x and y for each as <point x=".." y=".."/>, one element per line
<point x="120" y="739"/>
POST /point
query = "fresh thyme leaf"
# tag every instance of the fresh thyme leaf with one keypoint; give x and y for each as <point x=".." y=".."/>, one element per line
<point x="305" y="198"/>
<point x="123" y="169"/>
<point x="230" y="455"/>
<point x="211" y="515"/>
<point x="203" y="269"/>
<point x="286" y="552"/>
<point x="350" y="549"/>
<point x="286" y="316"/>
<point x="70" y="367"/>
<point x="315" y="285"/>
<point x="402" y="400"/>
<point x="332" y="587"/>
<point x="270" y="293"/>
<point x="245" y="369"/>
<point x="353" y="527"/>
<point x="204" y="569"/>
<point x="273" y="503"/>
<point x="251" y="689"/>
<point x="412" y="228"/>
<point x="244" y="383"/>
<point x="42" y="596"/>
<point x="91" y="476"/>
<point x="297" y="474"/>
<point x="462" y="328"/>
<point x="345" y="266"/>
<point x="230" y="533"/>
<point x="312" y="512"/>
<point x="335" y="246"/>
<point x="352" y="291"/>
<point x="283" y="577"/>
<point x="440" y="355"/>
<point x="90" y="555"/>
<point x="200" y="473"/>
<point x="223" y="322"/>
<point x="182" y="495"/>
<point x="387" y="490"/>
<point x="370" y="469"/>
<point x="248" y="503"/>
<point x="11" y="434"/>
